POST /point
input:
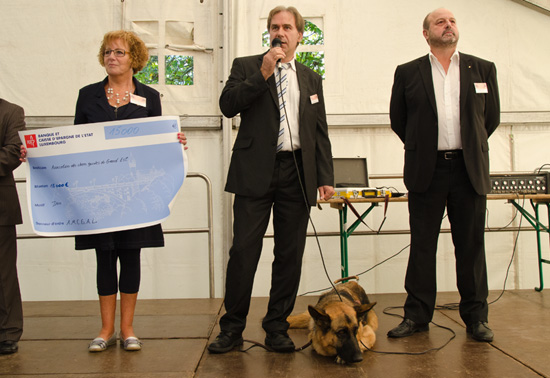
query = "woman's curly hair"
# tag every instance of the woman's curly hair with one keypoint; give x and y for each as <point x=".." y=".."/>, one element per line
<point x="139" y="54"/>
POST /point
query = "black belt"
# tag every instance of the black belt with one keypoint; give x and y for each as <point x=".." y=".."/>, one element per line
<point x="449" y="155"/>
<point x="288" y="154"/>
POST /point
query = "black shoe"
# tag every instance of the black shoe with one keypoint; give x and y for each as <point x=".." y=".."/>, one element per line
<point x="279" y="342"/>
<point x="407" y="328"/>
<point x="8" y="347"/>
<point x="225" y="342"/>
<point x="480" y="331"/>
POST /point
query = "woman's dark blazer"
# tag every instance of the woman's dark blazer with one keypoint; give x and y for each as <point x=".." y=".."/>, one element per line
<point x="92" y="106"/>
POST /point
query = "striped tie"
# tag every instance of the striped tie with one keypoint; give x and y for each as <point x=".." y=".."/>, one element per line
<point x="282" y="85"/>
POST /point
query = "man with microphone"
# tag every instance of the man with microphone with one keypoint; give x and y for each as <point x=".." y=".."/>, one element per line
<point x="281" y="158"/>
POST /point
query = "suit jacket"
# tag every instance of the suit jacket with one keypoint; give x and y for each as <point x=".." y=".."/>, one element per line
<point x="413" y="114"/>
<point x="12" y="120"/>
<point x="92" y="106"/>
<point x="253" y="159"/>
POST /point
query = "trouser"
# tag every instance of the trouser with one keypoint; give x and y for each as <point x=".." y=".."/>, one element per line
<point x="11" y="309"/>
<point x="450" y="188"/>
<point x="108" y="281"/>
<point x="251" y="218"/>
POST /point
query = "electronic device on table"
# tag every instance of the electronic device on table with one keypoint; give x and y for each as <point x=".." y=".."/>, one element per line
<point x="351" y="179"/>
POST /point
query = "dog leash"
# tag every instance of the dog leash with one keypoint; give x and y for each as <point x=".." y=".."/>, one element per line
<point x="356" y="278"/>
<point x="305" y="346"/>
<point x="255" y="344"/>
<point x="386" y="311"/>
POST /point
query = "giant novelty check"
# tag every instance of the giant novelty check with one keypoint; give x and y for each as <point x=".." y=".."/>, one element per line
<point x="101" y="177"/>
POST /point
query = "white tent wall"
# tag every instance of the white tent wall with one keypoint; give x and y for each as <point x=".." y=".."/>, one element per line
<point x="188" y="28"/>
<point x="59" y="40"/>
<point x="50" y="51"/>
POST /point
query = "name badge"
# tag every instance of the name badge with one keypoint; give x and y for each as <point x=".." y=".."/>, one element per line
<point x="138" y="100"/>
<point x="314" y="99"/>
<point x="481" y="88"/>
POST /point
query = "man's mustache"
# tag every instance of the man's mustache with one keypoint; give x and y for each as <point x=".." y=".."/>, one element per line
<point x="449" y="30"/>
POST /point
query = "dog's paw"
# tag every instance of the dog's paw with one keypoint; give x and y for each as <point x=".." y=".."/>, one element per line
<point x="339" y="360"/>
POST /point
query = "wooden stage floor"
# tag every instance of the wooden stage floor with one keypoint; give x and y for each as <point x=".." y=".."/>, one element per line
<point x="175" y="334"/>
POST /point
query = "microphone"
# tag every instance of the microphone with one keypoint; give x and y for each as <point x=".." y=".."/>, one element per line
<point x="277" y="43"/>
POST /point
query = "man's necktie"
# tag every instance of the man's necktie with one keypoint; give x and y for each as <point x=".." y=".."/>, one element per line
<point x="282" y="85"/>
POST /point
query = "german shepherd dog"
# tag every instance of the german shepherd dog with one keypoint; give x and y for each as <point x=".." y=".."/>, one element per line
<point x="340" y="325"/>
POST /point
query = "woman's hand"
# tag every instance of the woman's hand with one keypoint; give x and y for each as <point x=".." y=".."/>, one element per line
<point x="23" y="152"/>
<point x="183" y="139"/>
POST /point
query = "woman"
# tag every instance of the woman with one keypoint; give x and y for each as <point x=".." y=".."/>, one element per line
<point x="119" y="96"/>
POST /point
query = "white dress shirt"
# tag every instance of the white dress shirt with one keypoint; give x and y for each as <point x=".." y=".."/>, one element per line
<point x="292" y="98"/>
<point x="447" y="98"/>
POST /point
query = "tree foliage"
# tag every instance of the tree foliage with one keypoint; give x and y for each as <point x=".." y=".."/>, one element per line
<point x="313" y="60"/>
<point x="150" y="73"/>
<point x="179" y="70"/>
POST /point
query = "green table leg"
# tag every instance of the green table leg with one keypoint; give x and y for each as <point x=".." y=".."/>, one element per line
<point x="343" y="212"/>
<point x="536" y="208"/>
<point x="346" y="232"/>
<point x="541" y="260"/>
<point x="539" y="227"/>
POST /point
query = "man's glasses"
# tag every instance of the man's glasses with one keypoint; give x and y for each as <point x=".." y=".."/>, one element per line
<point x="119" y="53"/>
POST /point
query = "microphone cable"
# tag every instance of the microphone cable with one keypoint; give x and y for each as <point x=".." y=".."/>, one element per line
<point x="302" y="187"/>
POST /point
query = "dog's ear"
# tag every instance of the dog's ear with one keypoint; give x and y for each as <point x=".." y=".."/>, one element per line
<point x="322" y="320"/>
<point x="363" y="297"/>
<point x="363" y="310"/>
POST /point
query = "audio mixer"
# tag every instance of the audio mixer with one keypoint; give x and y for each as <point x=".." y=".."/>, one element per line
<point x="522" y="183"/>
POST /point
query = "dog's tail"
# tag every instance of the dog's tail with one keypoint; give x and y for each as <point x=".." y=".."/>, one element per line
<point x="299" y="321"/>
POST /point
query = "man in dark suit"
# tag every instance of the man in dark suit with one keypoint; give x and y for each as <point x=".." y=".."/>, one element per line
<point x="277" y="139"/>
<point x="444" y="106"/>
<point x="12" y="120"/>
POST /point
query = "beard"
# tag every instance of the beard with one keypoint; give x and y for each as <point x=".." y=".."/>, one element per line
<point x="445" y="40"/>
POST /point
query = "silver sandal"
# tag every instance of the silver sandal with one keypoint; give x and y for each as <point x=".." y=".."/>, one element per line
<point x="99" y="344"/>
<point x="131" y="343"/>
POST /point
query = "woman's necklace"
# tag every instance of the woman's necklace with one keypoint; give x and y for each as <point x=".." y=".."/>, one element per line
<point x="116" y="100"/>
<point x="116" y="96"/>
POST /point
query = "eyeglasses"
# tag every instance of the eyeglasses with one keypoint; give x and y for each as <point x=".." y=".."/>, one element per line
<point x="119" y="53"/>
